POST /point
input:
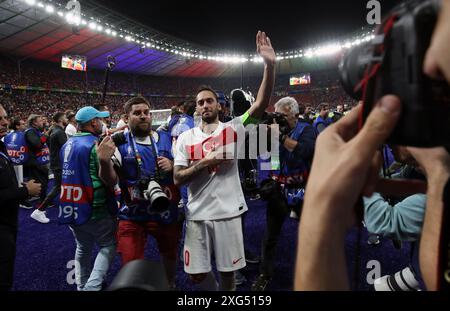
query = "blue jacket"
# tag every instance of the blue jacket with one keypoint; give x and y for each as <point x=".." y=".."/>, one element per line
<point x="297" y="164"/>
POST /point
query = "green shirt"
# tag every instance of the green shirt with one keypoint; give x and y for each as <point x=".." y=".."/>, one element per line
<point x="99" y="204"/>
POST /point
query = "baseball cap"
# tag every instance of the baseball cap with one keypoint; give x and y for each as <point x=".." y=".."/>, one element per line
<point x="89" y="113"/>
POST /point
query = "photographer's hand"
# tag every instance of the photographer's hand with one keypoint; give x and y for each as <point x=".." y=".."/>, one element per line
<point x="105" y="151"/>
<point x="165" y="164"/>
<point x="340" y="173"/>
<point x="436" y="163"/>
<point x="437" y="61"/>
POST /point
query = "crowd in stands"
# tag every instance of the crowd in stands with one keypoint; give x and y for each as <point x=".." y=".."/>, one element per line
<point x="162" y="92"/>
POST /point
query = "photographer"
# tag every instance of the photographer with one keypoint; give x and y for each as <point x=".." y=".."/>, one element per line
<point x="142" y="158"/>
<point x="400" y="218"/>
<point x="321" y="261"/>
<point x="36" y="167"/>
<point x="10" y="196"/>
<point x="296" y="152"/>
<point x="86" y="204"/>
<point x="56" y="140"/>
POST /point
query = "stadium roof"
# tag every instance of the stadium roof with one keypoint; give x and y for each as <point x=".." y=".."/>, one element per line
<point x="39" y="30"/>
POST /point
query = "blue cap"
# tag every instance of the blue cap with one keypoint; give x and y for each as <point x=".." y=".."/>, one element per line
<point x="89" y="113"/>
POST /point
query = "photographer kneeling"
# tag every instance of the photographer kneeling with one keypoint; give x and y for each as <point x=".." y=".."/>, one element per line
<point x="142" y="165"/>
<point x="284" y="190"/>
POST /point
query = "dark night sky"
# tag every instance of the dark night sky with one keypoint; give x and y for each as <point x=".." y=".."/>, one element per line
<point x="229" y="25"/>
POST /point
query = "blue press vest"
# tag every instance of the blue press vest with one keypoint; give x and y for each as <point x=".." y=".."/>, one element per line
<point x="17" y="148"/>
<point x="77" y="191"/>
<point x="133" y="206"/>
<point x="43" y="154"/>
<point x="320" y="120"/>
<point x="177" y="126"/>
<point x="180" y="124"/>
<point x="292" y="167"/>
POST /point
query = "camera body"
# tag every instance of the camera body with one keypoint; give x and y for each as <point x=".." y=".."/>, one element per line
<point x="392" y="63"/>
<point x="152" y="191"/>
<point x="277" y="118"/>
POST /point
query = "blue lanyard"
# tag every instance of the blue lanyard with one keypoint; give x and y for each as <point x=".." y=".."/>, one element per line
<point x="138" y="156"/>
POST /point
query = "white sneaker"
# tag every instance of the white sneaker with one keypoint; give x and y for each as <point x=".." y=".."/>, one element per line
<point x="40" y="217"/>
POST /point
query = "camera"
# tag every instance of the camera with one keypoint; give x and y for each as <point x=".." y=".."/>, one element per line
<point x="277" y="118"/>
<point x="152" y="191"/>
<point x="392" y="63"/>
<point x="270" y="190"/>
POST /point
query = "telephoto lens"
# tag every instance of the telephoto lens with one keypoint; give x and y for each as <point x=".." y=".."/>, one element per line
<point x="404" y="281"/>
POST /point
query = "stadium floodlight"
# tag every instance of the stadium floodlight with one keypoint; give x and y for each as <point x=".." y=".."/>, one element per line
<point x="93" y="25"/>
<point x="30" y="2"/>
<point x="309" y="53"/>
<point x="99" y="27"/>
<point x="49" y="9"/>
<point x="108" y="31"/>
<point x="114" y="33"/>
<point x="40" y="4"/>
<point x="60" y="13"/>
<point x="128" y="38"/>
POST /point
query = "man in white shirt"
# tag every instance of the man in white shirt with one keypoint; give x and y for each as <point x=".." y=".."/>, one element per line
<point x="122" y="124"/>
<point x="216" y="201"/>
<point x="71" y="128"/>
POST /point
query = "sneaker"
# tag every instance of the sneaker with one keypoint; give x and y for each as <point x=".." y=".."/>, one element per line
<point x="250" y="258"/>
<point x="373" y="239"/>
<point x="260" y="283"/>
<point x="239" y="278"/>
<point x="40" y="217"/>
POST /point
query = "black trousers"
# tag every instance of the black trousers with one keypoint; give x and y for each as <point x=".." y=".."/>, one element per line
<point x="40" y="175"/>
<point x="54" y="191"/>
<point x="276" y="213"/>
<point x="8" y="237"/>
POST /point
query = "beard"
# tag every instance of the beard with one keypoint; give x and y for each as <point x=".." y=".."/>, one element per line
<point x="142" y="129"/>
<point x="211" y="118"/>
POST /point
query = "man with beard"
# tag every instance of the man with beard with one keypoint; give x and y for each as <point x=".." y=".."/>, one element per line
<point x="143" y="158"/>
<point x="39" y="157"/>
<point x="10" y="196"/>
<point x="86" y="204"/>
<point x="216" y="201"/>
<point x="57" y="139"/>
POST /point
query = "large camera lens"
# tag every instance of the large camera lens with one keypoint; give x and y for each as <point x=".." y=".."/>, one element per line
<point x="352" y="68"/>
<point x="159" y="201"/>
